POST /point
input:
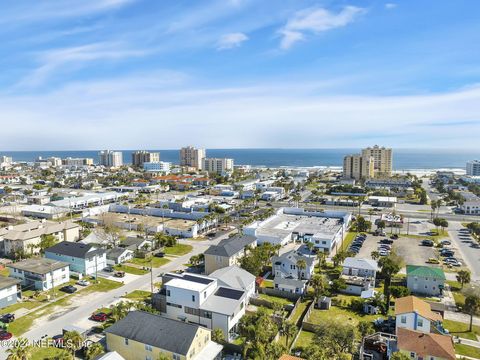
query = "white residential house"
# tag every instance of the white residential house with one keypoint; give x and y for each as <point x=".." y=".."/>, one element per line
<point x="237" y="278"/>
<point x="289" y="277"/>
<point x="40" y="273"/>
<point x="415" y="314"/>
<point x="359" y="275"/>
<point x="203" y="300"/>
<point x="9" y="291"/>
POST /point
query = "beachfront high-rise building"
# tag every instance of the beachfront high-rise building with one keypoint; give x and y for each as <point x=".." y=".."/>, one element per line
<point x="192" y="157"/>
<point x="383" y="160"/>
<point x="111" y="158"/>
<point x="358" y="167"/>
<point x="218" y="166"/>
<point x="141" y="156"/>
<point x="473" y="168"/>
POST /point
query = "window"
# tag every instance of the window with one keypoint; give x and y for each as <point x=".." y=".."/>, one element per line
<point x="191" y="311"/>
<point x="420" y="322"/>
<point x="193" y="297"/>
<point x="148" y="347"/>
<point x="412" y="355"/>
<point x="175" y="357"/>
<point x="403" y="319"/>
<point x="168" y="292"/>
<point x="174" y="305"/>
<point x="204" y="294"/>
<point x="126" y="341"/>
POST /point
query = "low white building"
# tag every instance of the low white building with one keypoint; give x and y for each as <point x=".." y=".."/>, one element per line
<point x="157" y="167"/>
<point x="382" y="201"/>
<point x="470" y="207"/>
<point x="9" y="291"/>
<point x="40" y="273"/>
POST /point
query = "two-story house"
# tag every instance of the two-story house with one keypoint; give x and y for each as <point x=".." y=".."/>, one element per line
<point x="9" y="291"/>
<point x="84" y="259"/>
<point x="359" y="275"/>
<point x="228" y="252"/>
<point x="237" y="278"/>
<point x="145" y="336"/>
<point x="291" y="271"/>
<point x="425" y="280"/>
<point x="415" y="314"/>
<point x="421" y="346"/>
<point x="40" y="273"/>
<point x="202" y="300"/>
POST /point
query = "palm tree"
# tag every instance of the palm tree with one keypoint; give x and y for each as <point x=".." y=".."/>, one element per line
<point x="73" y="341"/>
<point x="93" y="351"/>
<point x="19" y="351"/>
<point x="301" y="265"/>
<point x="288" y="330"/>
<point x="318" y="283"/>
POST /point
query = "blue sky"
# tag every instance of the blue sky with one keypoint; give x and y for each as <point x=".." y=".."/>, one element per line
<point x="131" y="74"/>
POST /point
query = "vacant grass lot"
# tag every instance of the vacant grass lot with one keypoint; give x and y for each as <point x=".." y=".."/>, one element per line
<point x="153" y="261"/>
<point x="461" y="329"/>
<point x="138" y="295"/>
<point x="179" y="249"/>
<point x="343" y="316"/>
<point x="280" y="300"/>
<point x="49" y="353"/>
<point x="304" y="339"/>
<point x="130" y="269"/>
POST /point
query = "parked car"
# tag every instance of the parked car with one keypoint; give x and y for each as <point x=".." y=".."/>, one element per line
<point x="384" y="252"/>
<point x="386" y="241"/>
<point x="119" y="274"/>
<point x="433" y="261"/>
<point x="427" y="242"/>
<point x="385" y="246"/>
<point x="68" y="289"/>
<point x="447" y="252"/>
<point x="101" y="317"/>
<point x="5" y="335"/>
<point x="394" y="237"/>
<point x="445" y="242"/>
<point x="109" y="269"/>
<point x="160" y="254"/>
<point x="7" y="318"/>
<point x="83" y="282"/>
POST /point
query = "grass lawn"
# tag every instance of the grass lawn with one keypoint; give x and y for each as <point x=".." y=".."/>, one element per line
<point x="465" y="350"/>
<point x="4" y="272"/>
<point x="48" y="353"/>
<point x="154" y="261"/>
<point x="461" y="330"/>
<point x="304" y="339"/>
<point x="338" y="315"/>
<point x="138" y="295"/>
<point x="302" y="306"/>
<point x="179" y="249"/>
<point x="130" y="269"/>
<point x="280" y="300"/>
<point x="103" y="285"/>
<point x="267" y="284"/>
<point x="348" y="239"/>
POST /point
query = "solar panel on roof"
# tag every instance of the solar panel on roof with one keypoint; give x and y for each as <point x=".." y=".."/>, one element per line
<point x="229" y="293"/>
<point x="196" y="279"/>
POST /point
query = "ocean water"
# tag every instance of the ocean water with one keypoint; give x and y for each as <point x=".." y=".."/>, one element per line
<point x="402" y="158"/>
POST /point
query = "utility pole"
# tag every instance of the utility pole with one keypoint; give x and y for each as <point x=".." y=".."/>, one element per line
<point x="151" y="274"/>
<point x="53" y="285"/>
<point x="96" y="268"/>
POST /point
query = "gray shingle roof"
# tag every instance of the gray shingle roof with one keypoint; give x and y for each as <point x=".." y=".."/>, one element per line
<point x="231" y="246"/>
<point x="7" y="282"/>
<point x="77" y="250"/>
<point x="156" y="330"/>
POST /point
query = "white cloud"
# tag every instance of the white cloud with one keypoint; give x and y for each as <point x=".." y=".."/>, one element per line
<point x="316" y="20"/>
<point x="53" y="60"/>
<point x="232" y="40"/>
<point x="280" y="114"/>
<point x="390" y="6"/>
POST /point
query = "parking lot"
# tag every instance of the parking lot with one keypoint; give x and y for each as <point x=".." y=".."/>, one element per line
<point x="408" y="248"/>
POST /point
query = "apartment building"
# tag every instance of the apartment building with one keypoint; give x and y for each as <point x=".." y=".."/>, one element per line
<point x="192" y="157"/>
<point x="40" y="273"/>
<point x="382" y="159"/>
<point x="425" y="280"/>
<point x="157" y="167"/>
<point x="77" y="162"/>
<point x="26" y="237"/>
<point x="141" y="156"/>
<point x="473" y="168"/>
<point x="109" y="158"/>
<point x="144" y="336"/>
<point x="218" y="166"/>
<point x="203" y="300"/>
<point x="358" y="167"/>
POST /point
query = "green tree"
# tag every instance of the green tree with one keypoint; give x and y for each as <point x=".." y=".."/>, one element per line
<point x="362" y="225"/>
<point x="365" y="328"/>
<point x="288" y="329"/>
<point x="20" y="350"/>
<point x="338" y="285"/>
<point x="93" y="351"/>
<point x="381" y="224"/>
<point x="399" y="291"/>
<point x="72" y="340"/>
<point x="375" y="255"/>
<point x="336" y="338"/>
<point x="47" y="241"/>
<point x="463" y="277"/>
<point x="301" y="265"/>
<point x="339" y="258"/>
<point x="319" y="284"/>
<point x="472" y="307"/>
<point x="399" y="356"/>
<point x="390" y="265"/>
<point x="217" y="335"/>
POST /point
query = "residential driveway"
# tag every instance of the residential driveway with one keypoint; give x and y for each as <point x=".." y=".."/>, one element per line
<point x="466" y="246"/>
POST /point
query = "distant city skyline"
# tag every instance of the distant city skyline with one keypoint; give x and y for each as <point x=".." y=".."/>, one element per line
<point x="303" y="74"/>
